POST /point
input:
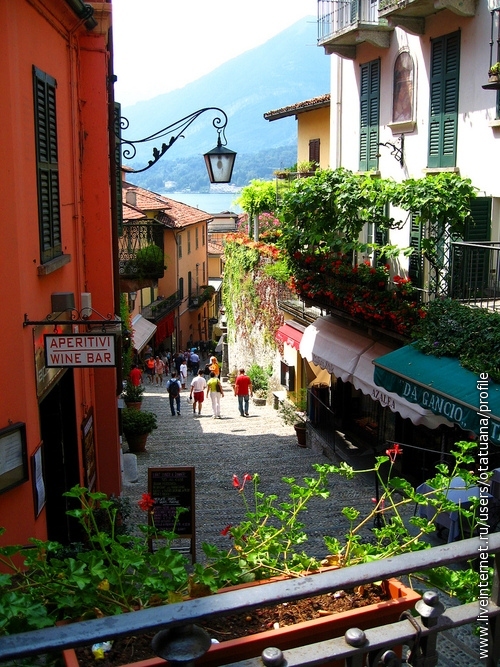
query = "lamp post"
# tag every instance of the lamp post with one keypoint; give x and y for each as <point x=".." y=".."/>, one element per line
<point x="219" y="161"/>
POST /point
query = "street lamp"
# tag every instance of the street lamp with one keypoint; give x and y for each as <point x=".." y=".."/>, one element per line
<point x="219" y="161"/>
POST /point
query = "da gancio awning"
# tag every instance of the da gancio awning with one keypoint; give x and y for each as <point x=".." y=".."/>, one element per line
<point x="441" y="385"/>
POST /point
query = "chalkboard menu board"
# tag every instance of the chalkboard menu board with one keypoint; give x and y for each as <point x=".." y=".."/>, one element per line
<point x="172" y="488"/>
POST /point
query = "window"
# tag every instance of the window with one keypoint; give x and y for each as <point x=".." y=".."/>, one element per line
<point x="179" y="246"/>
<point x="196" y="238"/>
<point x="190" y="284"/>
<point x="443" y="116"/>
<point x="203" y="234"/>
<point x="189" y="241"/>
<point x="402" y="99"/>
<point x="416" y="259"/>
<point x="49" y="217"/>
<point x="369" y="115"/>
<point x="314" y="151"/>
<point x="181" y="288"/>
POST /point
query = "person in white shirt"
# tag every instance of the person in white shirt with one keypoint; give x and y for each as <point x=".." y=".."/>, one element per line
<point x="183" y="373"/>
<point x="198" y="386"/>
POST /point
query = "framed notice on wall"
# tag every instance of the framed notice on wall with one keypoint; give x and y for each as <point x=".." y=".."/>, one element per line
<point x="172" y="489"/>
<point x="38" y="479"/>
<point x="13" y="456"/>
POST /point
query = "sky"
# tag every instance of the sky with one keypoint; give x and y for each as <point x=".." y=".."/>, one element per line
<point x="162" y="45"/>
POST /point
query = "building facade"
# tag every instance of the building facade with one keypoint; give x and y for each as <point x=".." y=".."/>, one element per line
<point x="58" y="417"/>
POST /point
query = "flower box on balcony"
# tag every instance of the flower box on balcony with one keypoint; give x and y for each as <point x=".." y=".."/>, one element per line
<point x="401" y="599"/>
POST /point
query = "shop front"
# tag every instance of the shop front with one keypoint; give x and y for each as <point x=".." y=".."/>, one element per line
<point x="356" y="416"/>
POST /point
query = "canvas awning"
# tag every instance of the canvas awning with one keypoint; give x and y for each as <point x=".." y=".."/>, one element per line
<point x="215" y="283"/>
<point x="142" y="331"/>
<point x="442" y="385"/>
<point x="291" y="334"/>
<point x="350" y="355"/>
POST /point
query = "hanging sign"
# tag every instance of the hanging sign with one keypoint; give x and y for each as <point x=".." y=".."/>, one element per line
<point x="79" y="350"/>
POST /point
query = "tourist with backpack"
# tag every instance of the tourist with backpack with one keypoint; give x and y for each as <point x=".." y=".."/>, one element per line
<point x="174" y="394"/>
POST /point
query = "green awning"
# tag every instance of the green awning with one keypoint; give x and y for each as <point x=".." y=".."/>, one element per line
<point x="441" y="384"/>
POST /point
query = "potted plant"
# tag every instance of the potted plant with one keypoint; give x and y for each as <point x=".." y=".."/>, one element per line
<point x="260" y="383"/>
<point x="132" y="395"/>
<point x="293" y="414"/>
<point x="137" y="425"/>
<point x="494" y="73"/>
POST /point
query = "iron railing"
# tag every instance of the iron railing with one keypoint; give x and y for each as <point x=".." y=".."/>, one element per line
<point x="157" y="309"/>
<point x="335" y="16"/>
<point x="475" y="274"/>
<point x="419" y="632"/>
<point x="140" y="251"/>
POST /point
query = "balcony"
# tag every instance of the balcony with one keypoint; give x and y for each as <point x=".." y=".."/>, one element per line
<point x="420" y="632"/>
<point x="410" y="15"/>
<point x="140" y="254"/>
<point x="475" y="277"/>
<point x="343" y="24"/>
<point x="161" y="307"/>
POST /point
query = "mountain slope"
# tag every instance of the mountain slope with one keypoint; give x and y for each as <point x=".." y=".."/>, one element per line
<point x="287" y="69"/>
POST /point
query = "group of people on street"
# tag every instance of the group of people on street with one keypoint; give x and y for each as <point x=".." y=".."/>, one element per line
<point x="200" y="388"/>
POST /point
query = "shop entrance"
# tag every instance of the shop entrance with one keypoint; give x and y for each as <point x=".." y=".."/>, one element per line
<point x="60" y="443"/>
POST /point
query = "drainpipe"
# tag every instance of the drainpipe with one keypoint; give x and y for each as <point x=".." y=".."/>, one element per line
<point x="338" y="109"/>
<point x="84" y="12"/>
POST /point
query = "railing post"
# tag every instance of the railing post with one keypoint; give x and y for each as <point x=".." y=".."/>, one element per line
<point x="430" y="609"/>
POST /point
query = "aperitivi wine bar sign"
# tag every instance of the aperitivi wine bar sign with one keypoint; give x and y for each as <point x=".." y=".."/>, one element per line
<point x="80" y="350"/>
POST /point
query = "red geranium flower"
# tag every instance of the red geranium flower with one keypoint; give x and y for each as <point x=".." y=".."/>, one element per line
<point x="147" y="502"/>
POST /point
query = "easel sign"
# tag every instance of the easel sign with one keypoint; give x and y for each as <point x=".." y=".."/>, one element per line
<point x="172" y="488"/>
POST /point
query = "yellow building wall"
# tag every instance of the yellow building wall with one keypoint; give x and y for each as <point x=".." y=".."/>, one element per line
<point x="314" y="125"/>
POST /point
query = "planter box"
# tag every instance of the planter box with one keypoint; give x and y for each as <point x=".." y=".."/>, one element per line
<point x="307" y="632"/>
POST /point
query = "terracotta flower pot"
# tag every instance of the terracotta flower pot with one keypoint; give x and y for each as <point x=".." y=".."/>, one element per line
<point x="301" y="431"/>
<point x="307" y="632"/>
<point x="137" y="442"/>
<point x="135" y="405"/>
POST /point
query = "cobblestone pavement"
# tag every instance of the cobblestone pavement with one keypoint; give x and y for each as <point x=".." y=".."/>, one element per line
<point x="262" y="444"/>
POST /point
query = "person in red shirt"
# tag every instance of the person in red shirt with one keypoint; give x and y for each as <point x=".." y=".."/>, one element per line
<point x="135" y="376"/>
<point x="243" y="390"/>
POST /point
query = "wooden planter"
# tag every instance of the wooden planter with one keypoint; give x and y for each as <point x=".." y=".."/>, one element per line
<point x="293" y="636"/>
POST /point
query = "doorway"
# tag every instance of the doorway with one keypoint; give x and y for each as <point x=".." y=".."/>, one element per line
<point x="61" y="469"/>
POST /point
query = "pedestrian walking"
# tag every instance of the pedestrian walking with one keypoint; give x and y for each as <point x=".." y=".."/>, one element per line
<point x="198" y="386"/>
<point x="214" y="389"/>
<point x="243" y="390"/>
<point x="174" y="394"/>
<point x="150" y="369"/>
<point x="135" y="376"/>
<point x="195" y="362"/>
<point x="159" y="371"/>
<point x="214" y="366"/>
<point x="183" y="374"/>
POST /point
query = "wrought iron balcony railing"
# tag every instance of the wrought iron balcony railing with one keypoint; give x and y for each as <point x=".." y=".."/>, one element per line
<point x="418" y="632"/>
<point x="159" y="308"/>
<point x="475" y="274"/>
<point x="140" y="251"/>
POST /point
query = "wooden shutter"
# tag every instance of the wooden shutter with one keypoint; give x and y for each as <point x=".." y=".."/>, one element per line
<point x="478" y="228"/>
<point x="314" y="151"/>
<point x="416" y="260"/>
<point x="369" y="115"/>
<point x="443" y="116"/>
<point x="49" y="217"/>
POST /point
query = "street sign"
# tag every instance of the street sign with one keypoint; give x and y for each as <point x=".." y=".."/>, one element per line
<point x="79" y="350"/>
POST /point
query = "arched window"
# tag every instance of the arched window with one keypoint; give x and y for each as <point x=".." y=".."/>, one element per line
<point x="402" y="101"/>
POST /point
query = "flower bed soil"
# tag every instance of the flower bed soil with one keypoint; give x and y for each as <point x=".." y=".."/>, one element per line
<point x="131" y="649"/>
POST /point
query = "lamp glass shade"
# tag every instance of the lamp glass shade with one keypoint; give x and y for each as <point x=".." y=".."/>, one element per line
<point x="220" y="163"/>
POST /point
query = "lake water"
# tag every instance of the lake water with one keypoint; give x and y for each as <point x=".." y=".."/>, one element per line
<point x="211" y="202"/>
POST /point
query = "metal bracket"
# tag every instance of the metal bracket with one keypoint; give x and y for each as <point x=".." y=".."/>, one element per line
<point x="396" y="151"/>
<point x="82" y="316"/>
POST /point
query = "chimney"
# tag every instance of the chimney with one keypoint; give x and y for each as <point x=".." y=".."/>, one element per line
<point x="131" y="197"/>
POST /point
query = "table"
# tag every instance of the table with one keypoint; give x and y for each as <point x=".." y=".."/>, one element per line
<point x="459" y="494"/>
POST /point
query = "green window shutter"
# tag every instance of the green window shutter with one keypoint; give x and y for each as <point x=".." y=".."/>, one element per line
<point x="369" y="115"/>
<point x="49" y="216"/>
<point x="443" y="116"/>
<point x="416" y="260"/>
<point x="471" y="264"/>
